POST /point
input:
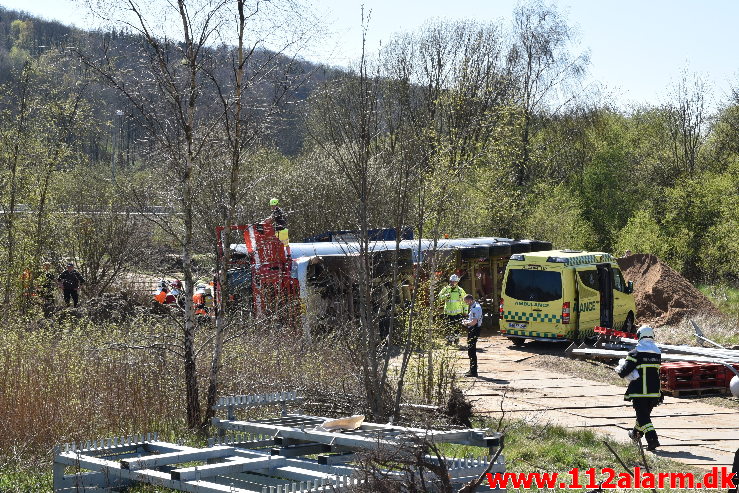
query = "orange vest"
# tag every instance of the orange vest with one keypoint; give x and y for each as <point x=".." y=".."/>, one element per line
<point x="198" y="299"/>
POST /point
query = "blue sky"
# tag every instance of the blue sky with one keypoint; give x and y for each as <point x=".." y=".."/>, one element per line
<point x="638" y="49"/>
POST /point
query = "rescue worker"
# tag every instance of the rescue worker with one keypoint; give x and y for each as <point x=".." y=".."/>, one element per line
<point x="278" y="219"/>
<point x="199" y="300"/>
<point x="452" y="295"/>
<point x="161" y="292"/>
<point x="641" y="369"/>
<point x="473" y="324"/>
<point x="46" y="292"/>
<point x="164" y="296"/>
<point x="176" y="286"/>
<point x="70" y="281"/>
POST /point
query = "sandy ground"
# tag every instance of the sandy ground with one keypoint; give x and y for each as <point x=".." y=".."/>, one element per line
<point x="690" y="431"/>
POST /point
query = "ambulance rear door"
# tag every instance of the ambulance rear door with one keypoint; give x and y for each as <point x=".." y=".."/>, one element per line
<point x="605" y="275"/>
<point x="587" y="304"/>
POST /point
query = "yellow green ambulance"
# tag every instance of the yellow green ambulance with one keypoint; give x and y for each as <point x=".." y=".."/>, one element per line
<point x="563" y="294"/>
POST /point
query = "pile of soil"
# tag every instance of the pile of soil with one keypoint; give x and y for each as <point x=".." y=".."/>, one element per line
<point x="662" y="295"/>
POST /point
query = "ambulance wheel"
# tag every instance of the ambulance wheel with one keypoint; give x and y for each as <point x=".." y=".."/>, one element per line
<point x="629" y="324"/>
<point x="517" y="341"/>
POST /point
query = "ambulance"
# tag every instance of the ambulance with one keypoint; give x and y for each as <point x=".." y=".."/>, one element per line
<point x="561" y="295"/>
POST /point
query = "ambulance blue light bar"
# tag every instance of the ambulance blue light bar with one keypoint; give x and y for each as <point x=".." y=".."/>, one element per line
<point x="518" y="256"/>
<point x="557" y="260"/>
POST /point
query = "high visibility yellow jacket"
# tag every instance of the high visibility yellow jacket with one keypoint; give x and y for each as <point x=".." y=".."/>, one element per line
<point x="453" y="299"/>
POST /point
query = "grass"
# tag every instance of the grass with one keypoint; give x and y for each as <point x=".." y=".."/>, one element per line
<point x="536" y="448"/>
<point x="528" y="448"/>
<point x="533" y="448"/>
<point x="726" y="298"/>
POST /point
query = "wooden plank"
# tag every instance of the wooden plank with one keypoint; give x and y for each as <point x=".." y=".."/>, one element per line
<point x="594" y="391"/>
<point x="706" y="435"/>
<point x="151" y="461"/>
<point x="717" y="353"/>
<point x="611" y="354"/>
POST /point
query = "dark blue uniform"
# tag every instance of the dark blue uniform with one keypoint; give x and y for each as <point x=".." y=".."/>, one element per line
<point x="644" y="391"/>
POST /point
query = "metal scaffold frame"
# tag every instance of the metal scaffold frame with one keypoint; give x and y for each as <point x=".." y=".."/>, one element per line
<point x="291" y="453"/>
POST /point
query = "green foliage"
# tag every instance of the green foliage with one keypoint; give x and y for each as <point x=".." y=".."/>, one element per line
<point x="719" y="253"/>
<point x="549" y="448"/>
<point x="555" y="214"/>
<point x="606" y="186"/>
<point x="642" y="234"/>
<point x="21" y="478"/>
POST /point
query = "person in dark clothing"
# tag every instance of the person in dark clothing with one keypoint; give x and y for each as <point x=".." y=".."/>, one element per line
<point x="46" y="289"/>
<point x="641" y="369"/>
<point x="279" y="220"/>
<point x="278" y="217"/>
<point x="473" y="324"/>
<point x="70" y="281"/>
<point x="735" y="470"/>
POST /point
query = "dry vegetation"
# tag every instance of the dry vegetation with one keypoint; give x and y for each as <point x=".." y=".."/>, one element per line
<point x="83" y="381"/>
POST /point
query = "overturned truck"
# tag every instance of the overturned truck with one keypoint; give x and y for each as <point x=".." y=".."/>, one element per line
<point x="315" y="284"/>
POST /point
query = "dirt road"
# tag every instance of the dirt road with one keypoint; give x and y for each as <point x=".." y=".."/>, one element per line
<point x="690" y="431"/>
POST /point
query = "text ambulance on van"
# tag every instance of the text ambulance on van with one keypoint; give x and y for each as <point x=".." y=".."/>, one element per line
<point x="563" y="294"/>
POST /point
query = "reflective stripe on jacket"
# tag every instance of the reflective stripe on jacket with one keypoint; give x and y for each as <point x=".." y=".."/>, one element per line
<point x="453" y="299"/>
<point x="647" y="366"/>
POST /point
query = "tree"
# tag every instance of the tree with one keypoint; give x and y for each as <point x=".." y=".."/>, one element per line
<point x="544" y="65"/>
<point x="555" y="214"/>
<point x="687" y="121"/>
<point x="249" y="116"/>
<point x="198" y="103"/>
<point x="40" y="125"/>
<point x="14" y="143"/>
<point x="165" y="92"/>
<point x="348" y="131"/>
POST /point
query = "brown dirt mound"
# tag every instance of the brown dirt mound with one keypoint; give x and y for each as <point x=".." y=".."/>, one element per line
<point x="662" y="295"/>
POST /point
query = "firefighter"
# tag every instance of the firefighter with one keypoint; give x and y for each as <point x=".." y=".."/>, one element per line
<point x="278" y="219"/>
<point x="472" y="324"/>
<point x="641" y="369"/>
<point x="454" y="307"/>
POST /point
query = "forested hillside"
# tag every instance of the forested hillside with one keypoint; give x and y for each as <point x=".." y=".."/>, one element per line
<point x="468" y="130"/>
<point x="122" y="150"/>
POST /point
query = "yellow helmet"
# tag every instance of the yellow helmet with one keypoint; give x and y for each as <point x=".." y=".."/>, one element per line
<point x="273" y="201"/>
